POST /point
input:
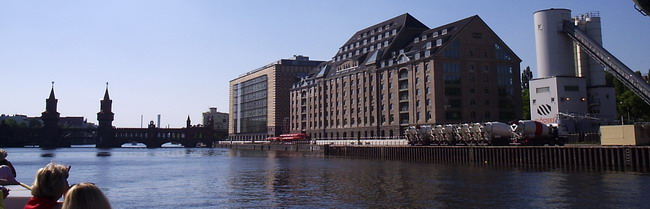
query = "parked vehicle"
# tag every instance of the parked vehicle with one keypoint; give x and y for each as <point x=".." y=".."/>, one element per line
<point x="523" y="132"/>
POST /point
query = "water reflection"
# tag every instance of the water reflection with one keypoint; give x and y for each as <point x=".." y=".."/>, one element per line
<point x="218" y="178"/>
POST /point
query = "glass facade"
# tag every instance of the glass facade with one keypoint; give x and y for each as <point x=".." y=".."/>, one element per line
<point x="250" y="104"/>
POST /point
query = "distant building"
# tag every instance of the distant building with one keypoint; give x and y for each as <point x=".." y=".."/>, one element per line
<point x="400" y="73"/>
<point x="220" y="119"/>
<point x="259" y="99"/>
<point x="65" y="122"/>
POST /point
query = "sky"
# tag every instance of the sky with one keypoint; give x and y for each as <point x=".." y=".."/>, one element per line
<point x="176" y="57"/>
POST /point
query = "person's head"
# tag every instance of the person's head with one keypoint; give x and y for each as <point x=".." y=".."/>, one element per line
<point x="85" y="196"/>
<point x="3" y="154"/>
<point x="51" y="181"/>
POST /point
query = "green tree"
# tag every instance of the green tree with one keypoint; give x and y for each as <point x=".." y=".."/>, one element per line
<point x="629" y="105"/>
<point x="34" y="123"/>
<point x="525" y="93"/>
<point x="10" y="122"/>
<point x="525" y="104"/>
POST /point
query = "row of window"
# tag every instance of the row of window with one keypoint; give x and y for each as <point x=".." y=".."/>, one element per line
<point x="362" y="51"/>
<point x="432" y="35"/>
<point x="367" y="41"/>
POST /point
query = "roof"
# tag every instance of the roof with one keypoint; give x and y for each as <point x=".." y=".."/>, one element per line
<point x="394" y="41"/>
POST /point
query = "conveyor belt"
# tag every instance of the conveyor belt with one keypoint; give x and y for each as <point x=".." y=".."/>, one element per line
<point x="612" y="65"/>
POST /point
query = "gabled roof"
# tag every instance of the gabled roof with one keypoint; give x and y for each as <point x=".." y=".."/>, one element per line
<point x="400" y="37"/>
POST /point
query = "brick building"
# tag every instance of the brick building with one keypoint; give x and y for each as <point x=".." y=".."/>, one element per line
<point x="400" y="73"/>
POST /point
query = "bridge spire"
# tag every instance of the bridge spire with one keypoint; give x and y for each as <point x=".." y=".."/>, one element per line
<point x="50" y="118"/>
<point x="52" y="92"/>
<point x="106" y="96"/>
<point x="105" y="116"/>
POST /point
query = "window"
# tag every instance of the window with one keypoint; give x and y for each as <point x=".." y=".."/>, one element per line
<point x="571" y="88"/>
<point x="439" y="42"/>
<point x="417" y="39"/>
<point x="543" y="90"/>
<point x="444" y="31"/>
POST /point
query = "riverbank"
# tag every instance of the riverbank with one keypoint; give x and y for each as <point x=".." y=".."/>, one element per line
<point x="583" y="157"/>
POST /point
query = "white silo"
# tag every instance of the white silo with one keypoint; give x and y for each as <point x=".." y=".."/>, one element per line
<point x="554" y="48"/>
<point x="587" y="66"/>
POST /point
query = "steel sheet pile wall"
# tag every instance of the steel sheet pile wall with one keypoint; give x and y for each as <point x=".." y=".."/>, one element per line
<point x="275" y="147"/>
<point x="623" y="158"/>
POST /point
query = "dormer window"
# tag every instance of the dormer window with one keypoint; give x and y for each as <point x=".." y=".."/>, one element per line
<point x="444" y="31"/>
<point x="424" y="37"/>
<point x="416" y="40"/>
<point x="435" y="34"/>
<point x="394" y="32"/>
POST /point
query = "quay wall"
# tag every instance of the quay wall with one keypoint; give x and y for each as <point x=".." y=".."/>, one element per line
<point x="276" y="147"/>
<point x="607" y="158"/>
<point x="614" y="158"/>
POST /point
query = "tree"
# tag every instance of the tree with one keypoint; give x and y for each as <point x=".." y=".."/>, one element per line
<point x="629" y="105"/>
<point x="525" y="77"/>
<point x="525" y="93"/>
<point x="10" y="122"/>
<point x="525" y="104"/>
<point x="34" y="123"/>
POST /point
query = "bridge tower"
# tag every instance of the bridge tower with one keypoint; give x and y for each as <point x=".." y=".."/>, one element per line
<point x="51" y="134"/>
<point x="105" y="116"/>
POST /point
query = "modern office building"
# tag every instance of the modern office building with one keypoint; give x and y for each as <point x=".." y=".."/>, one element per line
<point x="259" y="99"/>
<point x="400" y="73"/>
<point x="219" y="119"/>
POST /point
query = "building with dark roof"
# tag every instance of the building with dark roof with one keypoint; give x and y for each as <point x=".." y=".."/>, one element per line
<point x="400" y="73"/>
<point x="259" y="99"/>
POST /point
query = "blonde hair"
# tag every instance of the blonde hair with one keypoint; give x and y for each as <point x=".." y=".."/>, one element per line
<point x="3" y="154"/>
<point x="85" y="196"/>
<point x="51" y="181"/>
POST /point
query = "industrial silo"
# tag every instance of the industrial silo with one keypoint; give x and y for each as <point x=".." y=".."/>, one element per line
<point x="586" y="66"/>
<point x="553" y="47"/>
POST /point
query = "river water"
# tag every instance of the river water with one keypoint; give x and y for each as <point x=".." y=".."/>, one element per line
<point x="223" y="178"/>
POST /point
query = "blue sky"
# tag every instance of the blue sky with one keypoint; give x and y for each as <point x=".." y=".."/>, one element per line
<point x="175" y="58"/>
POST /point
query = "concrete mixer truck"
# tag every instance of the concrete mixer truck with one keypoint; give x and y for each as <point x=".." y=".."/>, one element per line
<point x="522" y="132"/>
